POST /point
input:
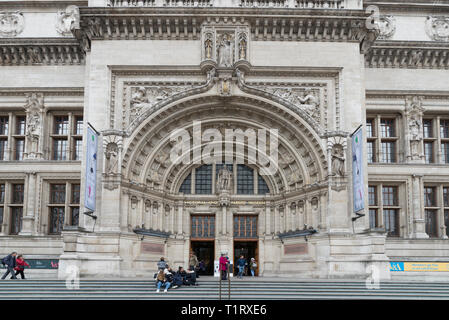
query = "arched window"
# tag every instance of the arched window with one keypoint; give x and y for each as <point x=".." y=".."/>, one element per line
<point x="246" y="184"/>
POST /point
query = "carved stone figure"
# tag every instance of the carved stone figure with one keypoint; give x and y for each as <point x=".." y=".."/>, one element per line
<point x="338" y="160"/>
<point x="35" y="110"/>
<point x="294" y="177"/>
<point x="224" y="180"/>
<point x="154" y="176"/>
<point x="11" y="23"/>
<point x="111" y="158"/>
<point x="314" y="203"/>
<point x="242" y="47"/>
<point x="414" y="112"/>
<point x="67" y="19"/>
<point x="225" y="51"/>
<point x="208" y="47"/>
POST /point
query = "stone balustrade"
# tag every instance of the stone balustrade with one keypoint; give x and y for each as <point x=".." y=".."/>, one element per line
<point x="301" y="4"/>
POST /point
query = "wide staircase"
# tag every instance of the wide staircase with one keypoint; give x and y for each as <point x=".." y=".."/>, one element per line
<point x="208" y="289"/>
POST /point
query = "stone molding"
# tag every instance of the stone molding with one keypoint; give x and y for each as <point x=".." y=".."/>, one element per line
<point x="185" y="24"/>
<point x="413" y="55"/>
<point x="40" y="51"/>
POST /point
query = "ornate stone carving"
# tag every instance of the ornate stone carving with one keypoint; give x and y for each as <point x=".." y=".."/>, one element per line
<point x="387" y="27"/>
<point x="224" y="181"/>
<point x="112" y="146"/>
<point x="314" y="202"/>
<point x="11" y="23"/>
<point x="153" y="176"/>
<point x="437" y="28"/>
<point x="35" y="112"/>
<point x="67" y="20"/>
<point x="225" y="49"/>
<point x="242" y="46"/>
<point x="305" y="99"/>
<point x="338" y="160"/>
<point x="145" y="98"/>
<point x="294" y="177"/>
<point x="413" y="112"/>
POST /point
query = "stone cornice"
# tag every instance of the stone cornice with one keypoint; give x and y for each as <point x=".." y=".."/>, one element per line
<point x="8" y="4"/>
<point x="40" y="51"/>
<point x="185" y="24"/>
<point x="410" y="54"/>
<point x="440" y="6"/>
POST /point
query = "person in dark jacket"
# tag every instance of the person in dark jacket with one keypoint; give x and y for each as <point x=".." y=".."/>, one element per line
<point x="10" y="263"/>
<point x="161" y="265"/>
<point x="241" y="265"/>
<point x="20" y="266"/>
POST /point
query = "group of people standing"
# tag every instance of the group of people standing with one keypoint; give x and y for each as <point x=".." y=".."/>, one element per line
<point x="168" y="278"/>
<point x="15" y="264"/>
<point x="251" y="266"/>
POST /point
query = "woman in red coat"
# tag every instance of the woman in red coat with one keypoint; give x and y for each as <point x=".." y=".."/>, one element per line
<point x="20" y="266"/>
<point x="223" y="261"/>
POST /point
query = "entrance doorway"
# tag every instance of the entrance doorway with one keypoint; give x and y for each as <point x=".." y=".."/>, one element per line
<point x="204" y="251"/>
<point x="247" y="249"/>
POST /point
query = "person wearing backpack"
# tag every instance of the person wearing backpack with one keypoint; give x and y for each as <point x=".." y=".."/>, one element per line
<point x="20" y="267"/>
<point x="10" y="262"/>
<point x="253" y="266"/>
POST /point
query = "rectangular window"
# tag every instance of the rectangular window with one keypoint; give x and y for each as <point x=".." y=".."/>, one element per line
<point x="446" y="221"/>
<point x="372" y="192"/>
<point x="389" y="196"/>
<point x="373" y="218"/>
<point x="57" y="193"/>
<point x="3" y="148"/>
<point x="19" y="148"/>
<point x="78" y="125"/>
<point x="16" y="220"/>
<point x="4" y="122"/>
<point x="371" y="152"/>
<point x="445" y="152"/>
<point x="388" y="152"/>
<point x="429" y="197"/>
<point x="20" y="125"/>
<point x="77" y="154"/>
<point x="387" y="128"/>
<point x="59" y="149"/>
<point x="203" y="226"/>
<point x="427" y="128"/>
<point x="431" y="223"/>
<point x="428" y="152"/>
<point x="203" y="179"/>
<point x="2" y="203"/>
<point x="446" y="196"/>
<point x="391" y="222"/>
<point x="56" y="220"/>
<point x="245" y="227"/>
<point x="74" y="216"/>
<point x="444" y="129"/>
<point x="61" y="125"/>
<point x="370" y="128"/>
<point x="245" y="180"/>
<point x="17" y="193"/>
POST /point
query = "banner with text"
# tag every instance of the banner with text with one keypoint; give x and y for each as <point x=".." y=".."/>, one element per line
<point x="357" y="171"/>
<point x="91" y="169"/>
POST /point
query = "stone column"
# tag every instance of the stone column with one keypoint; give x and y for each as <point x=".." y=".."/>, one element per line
<point x="267" y="220"/>
<point x="30" y="205"/>
<point x="419" y="224"/>
<point x="179" y="218"/>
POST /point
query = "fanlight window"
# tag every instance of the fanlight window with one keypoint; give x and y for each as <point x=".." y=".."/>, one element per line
<point x="247" y="183"/>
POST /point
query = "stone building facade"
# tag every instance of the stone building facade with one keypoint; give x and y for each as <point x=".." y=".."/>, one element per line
<point x="138" y="70"/>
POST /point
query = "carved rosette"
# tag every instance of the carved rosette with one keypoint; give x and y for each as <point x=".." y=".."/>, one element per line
<point x="387" y="27"/>
<point x="413" y="115"/>
<point x="11" y="24"/>
<point x="437" y="28"/>
<point x="113" y="147"/>
<point x="67" y="20"/>
<point x="35" y="115"/>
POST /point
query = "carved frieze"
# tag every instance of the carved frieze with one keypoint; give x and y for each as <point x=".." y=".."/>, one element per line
<point x="11" y="23"/>
<point x="437" y="28"/>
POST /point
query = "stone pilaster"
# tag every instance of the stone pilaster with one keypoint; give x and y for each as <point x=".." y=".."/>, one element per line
<point x="419" y="224"/>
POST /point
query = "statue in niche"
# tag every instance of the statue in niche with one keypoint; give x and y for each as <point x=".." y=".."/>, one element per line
<point x="338" y="160"/>
<point x="154" y="176"/>
<point x="225" y="51"/>
<point x="314" y="203"/>
<point x="415" y="136"/>
<point x="224" y="180"/>
<point x="111" y="158"/>
<point x="242" y="48"/>
<point x="33" y="133"/>
<point x="208" y="47"/>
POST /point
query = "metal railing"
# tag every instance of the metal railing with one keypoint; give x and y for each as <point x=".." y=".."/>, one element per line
<point x="228" y="273"/>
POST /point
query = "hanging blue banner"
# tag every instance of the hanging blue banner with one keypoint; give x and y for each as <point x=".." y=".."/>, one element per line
<point x="358" y="186"/>
<point x="91" y="169"/>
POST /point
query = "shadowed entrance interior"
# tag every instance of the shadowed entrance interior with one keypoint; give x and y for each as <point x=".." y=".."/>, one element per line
<point x="204" y="250"/>
<point x="247" y="249"/>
